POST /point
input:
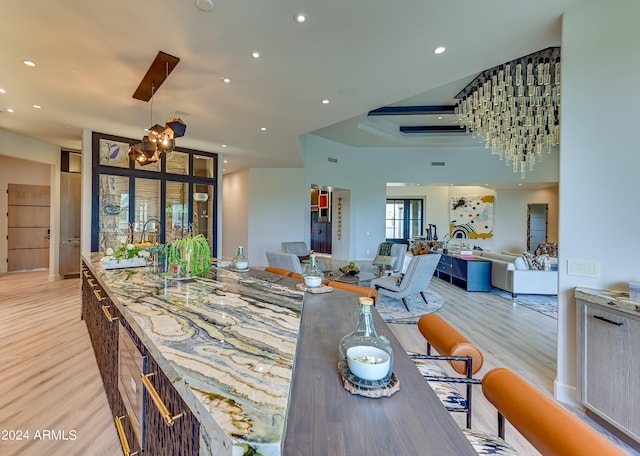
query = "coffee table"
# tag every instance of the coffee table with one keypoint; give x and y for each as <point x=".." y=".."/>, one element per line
<point x="357" y="279"/>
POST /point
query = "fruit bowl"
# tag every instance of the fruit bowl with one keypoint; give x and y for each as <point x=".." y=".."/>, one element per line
<point x="350" y="270"/>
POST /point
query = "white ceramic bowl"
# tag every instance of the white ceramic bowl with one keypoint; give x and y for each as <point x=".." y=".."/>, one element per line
<point x="368" y="363"/>
<point x="313" y="282"/>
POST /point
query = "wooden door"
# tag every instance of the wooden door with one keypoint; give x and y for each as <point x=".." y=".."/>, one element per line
<point x="28" y="227"/>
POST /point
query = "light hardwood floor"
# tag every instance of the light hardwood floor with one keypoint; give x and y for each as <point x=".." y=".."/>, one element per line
<point x="49" y="378"/>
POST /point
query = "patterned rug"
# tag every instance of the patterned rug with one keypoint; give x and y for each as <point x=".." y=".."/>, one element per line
<point x="393" y="310"/>
<point x="545" y="304"/>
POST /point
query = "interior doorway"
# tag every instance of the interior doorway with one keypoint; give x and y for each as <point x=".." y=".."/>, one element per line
<point x="537" y="216"/>
<point x="321" y="219"/>
<point x="28" y="227"/>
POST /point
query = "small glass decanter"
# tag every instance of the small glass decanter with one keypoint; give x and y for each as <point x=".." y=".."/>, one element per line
<point x="362" y="349"/>
<point x="312" y="275"/>
<point x="240" y="261"/>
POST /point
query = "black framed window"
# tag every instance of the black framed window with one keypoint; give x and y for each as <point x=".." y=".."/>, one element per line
<point x="158" y="202"/>
<point x="404" y="219"/>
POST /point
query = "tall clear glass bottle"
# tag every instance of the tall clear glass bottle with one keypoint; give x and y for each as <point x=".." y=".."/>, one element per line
<point x="312" y="275"/>
<point x="365" y="335"/>
<point x="240" y="262"/>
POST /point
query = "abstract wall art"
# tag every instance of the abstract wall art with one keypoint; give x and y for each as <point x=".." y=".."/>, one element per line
<point x="471" y="217"/>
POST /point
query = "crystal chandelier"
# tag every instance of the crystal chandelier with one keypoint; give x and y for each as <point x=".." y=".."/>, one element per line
<point x="514" y="108"/>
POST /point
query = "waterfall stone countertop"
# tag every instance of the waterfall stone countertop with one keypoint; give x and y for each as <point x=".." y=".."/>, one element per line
<point x="610" y="299"/>
<point x="227" y="343"/>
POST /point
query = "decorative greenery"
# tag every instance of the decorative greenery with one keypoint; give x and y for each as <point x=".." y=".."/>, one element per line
<point x="190" y="254"/>
<point x="124" y="252"/>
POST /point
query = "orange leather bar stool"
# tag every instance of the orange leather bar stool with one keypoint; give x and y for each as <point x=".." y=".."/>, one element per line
<point x="549" y="427"/>
<point x="280" y="271"/>
<point x="465" y="358"/>
<point x="364" y="291"/>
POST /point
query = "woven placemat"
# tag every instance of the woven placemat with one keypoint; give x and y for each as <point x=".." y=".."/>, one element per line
<point x="392" y="387"/>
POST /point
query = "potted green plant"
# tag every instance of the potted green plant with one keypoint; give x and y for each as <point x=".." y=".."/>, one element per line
<point x="189" y="256"/>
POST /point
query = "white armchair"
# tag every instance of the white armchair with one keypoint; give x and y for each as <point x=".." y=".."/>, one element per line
<point x="391" y="254"/>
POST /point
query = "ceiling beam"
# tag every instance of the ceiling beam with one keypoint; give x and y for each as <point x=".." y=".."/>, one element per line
<point x="431" y="129"/>
<point x="160" y="69"/>
<point x="412" y="110"/>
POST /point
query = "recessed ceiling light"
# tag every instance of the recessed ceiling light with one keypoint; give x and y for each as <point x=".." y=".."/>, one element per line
<point x="439" y="50"/>
<point x="10" y="110"/>
<point x="255" y="54"/>
<point x="225" y="161"/>
<point x="325" y="101"/>
<point x="224" y="145"/>
<point x="37" y="106"/>
<point x="29" y="63"/>
<point x="226" y="79"/>
<point x="439" y="117"/>
<point x="3" y="91"/>
<point x="300" y="18"/>
<point x="204" y="5"/>
<point x="263" y="128"/>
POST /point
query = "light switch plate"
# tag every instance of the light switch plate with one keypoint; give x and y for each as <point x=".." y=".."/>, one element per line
<point x="583" y="268"/>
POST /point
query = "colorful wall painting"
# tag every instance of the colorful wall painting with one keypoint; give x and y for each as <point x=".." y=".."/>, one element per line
<point x="471" y="217"/>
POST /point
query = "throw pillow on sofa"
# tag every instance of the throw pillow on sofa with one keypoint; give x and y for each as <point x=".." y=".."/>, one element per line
<point x="520" y="264"/>
<point x="531" y="261"/>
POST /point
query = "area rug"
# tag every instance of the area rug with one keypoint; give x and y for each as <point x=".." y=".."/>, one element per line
<point x="545" y="304"/>
<point x="393" y="310"/>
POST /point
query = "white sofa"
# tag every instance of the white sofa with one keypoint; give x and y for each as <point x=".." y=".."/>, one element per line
<point x="509" y="274"/>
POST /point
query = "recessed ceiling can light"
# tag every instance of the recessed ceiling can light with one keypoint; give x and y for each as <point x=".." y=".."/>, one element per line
<point x="37" y="106"/>
<point x="255" y="54"/>
<point x="226" y="161"/>
<point x="439" y="50"/>
<point x="204" y="5"/>
<point x="224" y="145"/>
<point x="325" y="101"/>
<point x="439" y="117"/>
<point x="10" y="110"/>
<point x="29" y="63"/>
<point x="263" y="128"/>
<point x="226" y="79"/>
<point x="300" y="18"/>
<point x="3" y="91"/>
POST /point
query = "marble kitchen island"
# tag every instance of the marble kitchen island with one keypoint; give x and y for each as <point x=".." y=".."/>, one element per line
<point x="250" y="371"/>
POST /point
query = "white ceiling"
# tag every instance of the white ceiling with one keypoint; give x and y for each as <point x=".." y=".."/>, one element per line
<point x="359" y="54"/>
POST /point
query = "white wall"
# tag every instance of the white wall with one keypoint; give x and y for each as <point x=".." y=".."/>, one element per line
<point x="278" y="211"/>
<point x="33" y="150"/>
<point x="599" y="159"/>
<point x="235" y="212"/>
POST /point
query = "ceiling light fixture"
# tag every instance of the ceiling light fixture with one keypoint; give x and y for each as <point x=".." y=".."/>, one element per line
<point x="224" y="145"/>
<point x="226" y="79"/>
<point x="159" y="139"/>
<point x="204" y="5"/>
<point x="325" y="101"/>
<point x="29" y="63"/>
<point x="300" y="18"/>
<point x="515" y="108"/>
<point x="37" y="106"/>
<point x="10" y="110"/>
<point x="255" y="54"/>
<point x="3" y="91"/>
<point x="263" y="128"/>
<point x="439" y="50"/>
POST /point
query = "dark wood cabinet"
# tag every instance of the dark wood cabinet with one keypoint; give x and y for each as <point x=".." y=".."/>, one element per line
<point x="469" y="273"/>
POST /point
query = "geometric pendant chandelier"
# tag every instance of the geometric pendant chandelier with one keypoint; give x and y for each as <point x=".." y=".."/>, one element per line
<point x="514" y="108"/>
<point x="159" y="139"/>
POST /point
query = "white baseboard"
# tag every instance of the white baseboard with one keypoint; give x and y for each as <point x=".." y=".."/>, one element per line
<point x="567" y="394"/>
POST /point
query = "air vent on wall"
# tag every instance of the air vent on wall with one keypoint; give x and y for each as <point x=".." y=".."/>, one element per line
<point x="332" y="160"/>
<point x="437" y="163"/>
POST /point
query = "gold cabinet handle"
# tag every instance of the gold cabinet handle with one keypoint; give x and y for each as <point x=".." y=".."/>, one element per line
<point x="97" y="293"/>
<point x="157" y="400"/>
<point x="91" y="282"/>
<point x="86" y="273"/>
<point x="105" y="311"/>
<point x="123" y="437"/>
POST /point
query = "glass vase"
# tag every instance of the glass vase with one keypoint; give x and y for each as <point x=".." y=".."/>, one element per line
<point x="240" y="262"/>
<point x="312" y="275"/>
<point x="368" y="355"/>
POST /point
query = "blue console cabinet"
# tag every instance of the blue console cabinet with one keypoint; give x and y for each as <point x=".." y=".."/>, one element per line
<point x="472" y="274"/>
